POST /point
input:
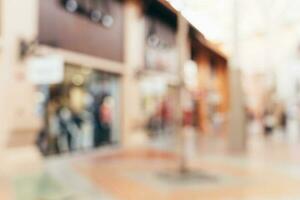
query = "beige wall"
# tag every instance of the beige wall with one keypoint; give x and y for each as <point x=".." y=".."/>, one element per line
<point x="19" y="22"/>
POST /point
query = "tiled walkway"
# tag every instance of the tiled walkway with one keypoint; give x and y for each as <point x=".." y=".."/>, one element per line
<point x="269" y="171"/>
<point x="234" y="178"/>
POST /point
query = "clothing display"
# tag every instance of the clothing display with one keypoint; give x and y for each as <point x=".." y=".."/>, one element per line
<point x="80" y="112"/>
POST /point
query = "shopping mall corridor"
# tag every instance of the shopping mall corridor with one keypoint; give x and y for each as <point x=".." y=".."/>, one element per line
<point x="268" y="170"/>
<point x="149" y="100"/>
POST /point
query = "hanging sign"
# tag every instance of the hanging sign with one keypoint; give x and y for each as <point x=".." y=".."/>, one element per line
<point x="45" y="70"/>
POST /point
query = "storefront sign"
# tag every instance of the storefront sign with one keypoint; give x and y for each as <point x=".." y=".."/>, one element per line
<point x="60" y="28"/>
<point x="45" y="70"/>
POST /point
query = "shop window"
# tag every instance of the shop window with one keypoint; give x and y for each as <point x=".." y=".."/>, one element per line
<point x="160" y="39"/>
<point x="81" y="113"/>
<point x="159" y="103"/>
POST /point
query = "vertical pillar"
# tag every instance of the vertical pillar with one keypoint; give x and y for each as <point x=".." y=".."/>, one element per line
<point x="4" y="74"/>
<point x="183" y="47"/>
<point x="237" y="124"/>
<point x="184" y="56"/>
<point x="204" y="85"/>
<point x="19" y="21"/>
<point x="222" y="85"/>
<point x="133" y="59"/>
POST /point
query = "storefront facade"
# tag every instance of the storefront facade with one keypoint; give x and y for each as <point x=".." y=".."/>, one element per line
<point x="125" y="50"/>
<point x="213" y="94"/>
<point x="91" y="73"/>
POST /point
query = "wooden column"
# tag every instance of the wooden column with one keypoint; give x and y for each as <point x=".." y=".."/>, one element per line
<point x="204" y="81"/>
<point x="221" y="84"/>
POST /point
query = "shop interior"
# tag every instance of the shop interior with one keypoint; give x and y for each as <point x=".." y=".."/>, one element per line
<point x="81" y="113"/>
<point x="159" y="101"/>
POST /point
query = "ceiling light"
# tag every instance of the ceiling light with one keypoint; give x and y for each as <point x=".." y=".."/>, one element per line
<point x="71" y="5"/>
<point x="95" y="15"/>
<point x="107" y="21"/>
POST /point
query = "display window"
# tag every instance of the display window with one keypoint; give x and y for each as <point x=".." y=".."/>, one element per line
<point x="161" y="50"/>
<point x="81" y="113"/>
<point x="159" y="103"/>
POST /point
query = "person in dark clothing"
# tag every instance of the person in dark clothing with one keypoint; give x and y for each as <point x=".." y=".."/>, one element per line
<point x="269" y="123"/>
<point x="283" y="121"/>
<point x="64" y="117"/>
<point x="102" y="120"/>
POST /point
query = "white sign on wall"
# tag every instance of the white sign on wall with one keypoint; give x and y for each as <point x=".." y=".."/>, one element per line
<point x="45" y="69"/>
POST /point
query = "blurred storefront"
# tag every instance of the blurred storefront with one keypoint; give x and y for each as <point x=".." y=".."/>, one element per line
<point x="212" y="96"/>
<point x="81" y="112"/>
<point x="121" y="61"/>
<point x="87" y="102"/>
<point x="157" y="77"/>
<point x="69" y="63"/>
<point x="205" y="72"/>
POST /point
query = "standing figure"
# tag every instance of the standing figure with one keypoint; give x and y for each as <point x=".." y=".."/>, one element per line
<point x="102" y="120"/>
